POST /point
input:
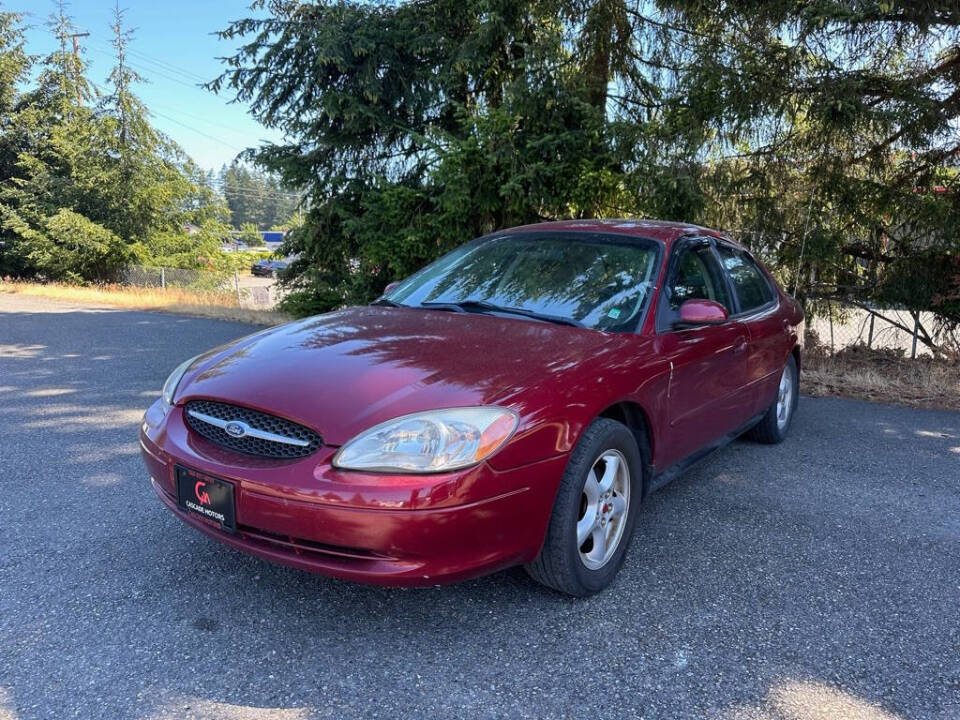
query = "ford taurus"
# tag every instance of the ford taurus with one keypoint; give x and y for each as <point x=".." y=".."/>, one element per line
<point x="511" y="403"/>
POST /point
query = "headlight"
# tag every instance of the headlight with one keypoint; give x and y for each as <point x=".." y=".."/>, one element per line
<point x="426" y="442"/>
<point x="170" y="386"/>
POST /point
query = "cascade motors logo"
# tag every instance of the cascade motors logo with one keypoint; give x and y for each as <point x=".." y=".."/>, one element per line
<point x="202" y="495"/>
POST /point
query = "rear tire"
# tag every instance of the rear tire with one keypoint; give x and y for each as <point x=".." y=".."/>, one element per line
<point x="596" y="504"/>
<point x="775" y="423"/>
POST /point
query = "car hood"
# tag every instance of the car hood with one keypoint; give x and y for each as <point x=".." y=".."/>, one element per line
<point x="345" y="371"/>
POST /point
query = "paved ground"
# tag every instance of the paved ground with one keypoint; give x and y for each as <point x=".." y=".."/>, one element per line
<point x="817" y="579"/>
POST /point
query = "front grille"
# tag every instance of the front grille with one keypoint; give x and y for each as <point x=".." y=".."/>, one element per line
<point x="293" y="440"/>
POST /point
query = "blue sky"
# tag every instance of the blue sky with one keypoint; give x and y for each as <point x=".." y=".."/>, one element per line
<point x="174" y="49"/>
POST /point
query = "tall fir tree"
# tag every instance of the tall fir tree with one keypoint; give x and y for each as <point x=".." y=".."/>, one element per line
<point x="89" y="185"/>
<point x="824" y="135"/>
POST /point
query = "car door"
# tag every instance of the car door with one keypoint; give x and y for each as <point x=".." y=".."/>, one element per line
<point x="757" y="309"/>
<point x="705" y="395"/>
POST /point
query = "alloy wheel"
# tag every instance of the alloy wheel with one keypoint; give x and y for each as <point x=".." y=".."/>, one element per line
<point x="784" y="398"/>
<point x="603" y="509"/>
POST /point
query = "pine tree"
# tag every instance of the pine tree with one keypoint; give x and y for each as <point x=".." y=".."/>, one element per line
<point x="91" y="186"/>
<point x="822" y="134"/>
<point x="255" y="197"/>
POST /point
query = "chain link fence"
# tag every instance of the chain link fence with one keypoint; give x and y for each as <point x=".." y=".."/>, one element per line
<point x="231" y="287"/>
<point x="836" y="326"/>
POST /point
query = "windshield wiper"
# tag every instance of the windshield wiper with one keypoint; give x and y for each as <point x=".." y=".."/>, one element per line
<point x="483" y="305"/>
<point x="386" y="303"/>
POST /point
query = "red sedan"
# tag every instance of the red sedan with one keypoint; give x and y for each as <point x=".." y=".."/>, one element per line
<point x="512" y="403"/>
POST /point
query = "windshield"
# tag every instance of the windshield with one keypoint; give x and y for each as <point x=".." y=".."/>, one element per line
<point x="599" y="281"/>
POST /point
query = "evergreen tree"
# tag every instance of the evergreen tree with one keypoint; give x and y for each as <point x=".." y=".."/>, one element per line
<point x="822" y="134"/>
<point x="56" y="169"/>
<point x="422" y="125"/>
<point x="153" y="186"/>
<point x="15" y="67"/>
<point x="255" y="197"/>
<point x="86" y="176"/>
<point x="832" y="133"/>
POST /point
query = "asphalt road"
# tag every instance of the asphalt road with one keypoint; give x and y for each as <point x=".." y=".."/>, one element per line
<point x="816" y="579"/>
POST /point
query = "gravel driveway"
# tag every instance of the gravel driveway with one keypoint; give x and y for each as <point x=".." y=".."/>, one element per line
<point x="816" y="579"/>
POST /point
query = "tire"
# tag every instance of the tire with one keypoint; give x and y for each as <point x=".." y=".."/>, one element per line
<point x="587" y="568"/>
<point x="771" y="429"/>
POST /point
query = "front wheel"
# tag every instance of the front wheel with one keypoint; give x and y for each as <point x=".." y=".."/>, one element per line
<point x="775" y="423"/>
<point x="594" y="512"/>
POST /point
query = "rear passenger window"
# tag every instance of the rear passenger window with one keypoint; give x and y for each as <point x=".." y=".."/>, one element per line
<point x="749" y="283"/>
<point x="698" y="277"/>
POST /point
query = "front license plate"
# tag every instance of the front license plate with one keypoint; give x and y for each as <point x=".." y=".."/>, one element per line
<point x="209" y="497"/>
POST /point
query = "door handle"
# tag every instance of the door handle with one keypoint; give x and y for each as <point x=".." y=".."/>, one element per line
<point x="739" y="345"/>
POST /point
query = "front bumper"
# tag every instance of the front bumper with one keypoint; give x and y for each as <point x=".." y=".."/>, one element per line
<point x="382" y="529"/>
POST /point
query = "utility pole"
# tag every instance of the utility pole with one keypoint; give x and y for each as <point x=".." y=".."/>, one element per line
<point x="69" y="67"/>
<point x="76" y="56"/>
<point x="62" y="35"/>
<point x="76" y="41"/>
<point x="75" y="37"/>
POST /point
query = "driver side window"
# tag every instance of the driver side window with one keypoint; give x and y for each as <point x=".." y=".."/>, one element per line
<point x="698" y="277"/>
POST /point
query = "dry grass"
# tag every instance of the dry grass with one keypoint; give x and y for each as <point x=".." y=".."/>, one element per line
<point x="222" y="306"/>
<point x="883" y="376"/>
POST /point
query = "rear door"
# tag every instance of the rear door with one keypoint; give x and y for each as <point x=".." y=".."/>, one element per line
<point x="705" y="396"/>
<point x="758" y="310"/>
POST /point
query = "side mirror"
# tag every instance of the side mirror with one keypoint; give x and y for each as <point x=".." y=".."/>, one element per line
<point x="391" y="287"/>
<point x="694" y="313"/>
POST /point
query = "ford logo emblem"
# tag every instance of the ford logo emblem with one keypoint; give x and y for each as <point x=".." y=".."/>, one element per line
<point x="235" y="429"/>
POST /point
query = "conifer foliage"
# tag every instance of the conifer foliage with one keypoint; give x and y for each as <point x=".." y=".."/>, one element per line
<point x="87" y="185"/>
<point x="822" y="134"/>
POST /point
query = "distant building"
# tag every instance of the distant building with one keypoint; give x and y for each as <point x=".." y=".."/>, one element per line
<point x="270" y="238"/>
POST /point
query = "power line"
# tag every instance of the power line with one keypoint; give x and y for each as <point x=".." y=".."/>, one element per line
<point x="158" y="73"/>
<point x="184" y="125"/>
<point x="174" y="120"/>
<point x="198" y="132"/>
<point x="252" y="192"/>
<point x="197" y="118"/>
<point x="244" y="195"/>
<point x="160" y="63"/>
<point x="171" y="78"/>
<point x="179" y="112"/>
<point x="223" y="186"/>
<point x="217" y="184"/>
<point x="217" y="180"/>
<point x="255" y="192"/>
<point x="167" y="66"/>
<point x="223" y="189"/>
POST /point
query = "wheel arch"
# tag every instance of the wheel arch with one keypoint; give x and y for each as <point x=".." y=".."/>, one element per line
<point x="634" y="416"/>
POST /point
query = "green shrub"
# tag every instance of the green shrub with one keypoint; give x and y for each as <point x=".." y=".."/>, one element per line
<point x="69" y="247"/>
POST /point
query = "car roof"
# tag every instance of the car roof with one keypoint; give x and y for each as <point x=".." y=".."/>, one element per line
<point x="662" y="230"/>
